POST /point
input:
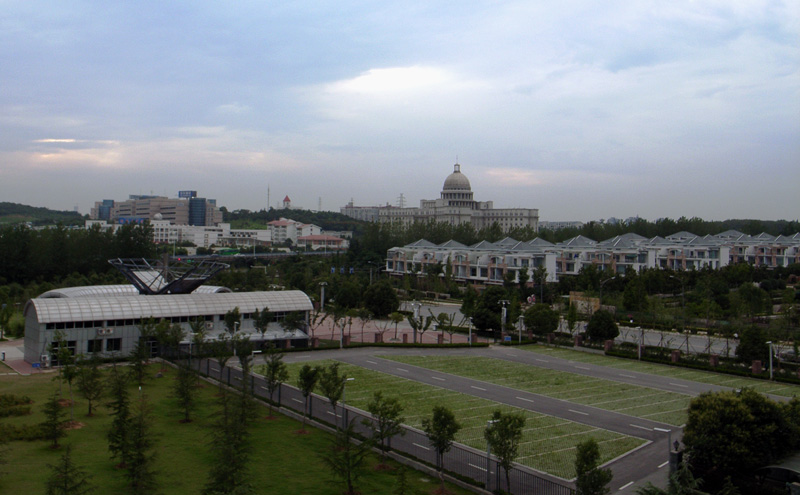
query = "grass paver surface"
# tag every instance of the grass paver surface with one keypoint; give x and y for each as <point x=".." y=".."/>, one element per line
<point x="548" y="443"/>
<point x="282" y="462"/>
<point x="641" y="402"/>
<point x="709" y="377"/>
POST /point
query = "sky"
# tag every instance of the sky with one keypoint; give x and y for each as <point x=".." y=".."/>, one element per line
<point x="582" y="109"/>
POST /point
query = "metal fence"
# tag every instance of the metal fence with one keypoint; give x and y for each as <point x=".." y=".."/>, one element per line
<point x="461" y="461"/>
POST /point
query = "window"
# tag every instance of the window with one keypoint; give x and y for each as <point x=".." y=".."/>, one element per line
<point x="94" y="345"/>
<point x="113" y="345"/>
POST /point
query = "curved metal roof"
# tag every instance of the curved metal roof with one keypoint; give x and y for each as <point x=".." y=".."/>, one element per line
<point x="103" y="308"/>
<point x="117" y="290"/>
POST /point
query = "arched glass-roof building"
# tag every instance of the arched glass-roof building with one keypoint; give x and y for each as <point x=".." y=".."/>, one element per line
<point x="104" y="320"/>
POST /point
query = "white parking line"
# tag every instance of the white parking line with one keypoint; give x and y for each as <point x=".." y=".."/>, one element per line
<point x="437" y="378"/>
<point x="627" y="376"/>
<point x="679" y="385"/>
<point x="663" y="464"/>
<point x="578" y="412"/>
<point x="641" y="427"/>
<point x="543" y="360"/>
<point x="421" y="446"/>
<point x="583" y="368"/>
<point x="371" y="362"/>
<point x="478" y="388"/>
<point x="626" y="485"/>
<point x="523" y="398"/>
<point x="402" y="369"/>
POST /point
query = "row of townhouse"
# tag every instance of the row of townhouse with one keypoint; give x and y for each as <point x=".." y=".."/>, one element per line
<point x="487" y="263"/>
<point x="278" y="232"/>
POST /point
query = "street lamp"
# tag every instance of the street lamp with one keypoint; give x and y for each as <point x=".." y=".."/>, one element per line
<point x="601" y="287"/>
<point x="236" y="326"/>
<point x="489" y="453"/>
<point x="415" y="305"/>
<point x="683" y="306"/>
<point x="641" y="341"/>
<point x="470" y="331"/>
<point x="503" y="325"/>
<point x="519" y="327"/>
<point x="770" y="359"/>
<point x="322" y="296"/>
<point x="344" y="404"/>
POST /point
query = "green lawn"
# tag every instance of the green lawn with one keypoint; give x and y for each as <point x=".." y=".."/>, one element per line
<point x="283" y="462"/>
<point x="641" y="402"/>
<point x="548" y="443"/>
<point x="762" y="386"/>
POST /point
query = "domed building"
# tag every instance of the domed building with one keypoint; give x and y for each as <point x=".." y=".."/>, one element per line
<point x="457" y="206"/>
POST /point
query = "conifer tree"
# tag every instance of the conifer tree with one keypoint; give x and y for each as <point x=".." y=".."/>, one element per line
<point x="66" y="478"/>
<point x="119" y="443"/>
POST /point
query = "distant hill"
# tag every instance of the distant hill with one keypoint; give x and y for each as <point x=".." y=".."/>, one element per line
<point x="14" y="213"/>
<point x="328" y="220"/>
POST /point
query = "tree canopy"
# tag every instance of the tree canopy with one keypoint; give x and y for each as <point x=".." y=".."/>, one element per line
<point x="734" y="433"/>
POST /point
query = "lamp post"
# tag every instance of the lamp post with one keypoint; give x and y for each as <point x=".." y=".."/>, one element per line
<point x="601" y="287"/>
<point x="470" y="331"/>
<point x="415" y="305"/>
<point x="770" y="359"/>
<point x="503" y="324"/>
<point x="236" y="326"/>
<point x="322" y="296"/>
<point x="489" y="454"/>
<point x="344" y="404"/>
<point x="519" y="327"/>
<point x="641" y="341"/>
<point x="683" y="307"/>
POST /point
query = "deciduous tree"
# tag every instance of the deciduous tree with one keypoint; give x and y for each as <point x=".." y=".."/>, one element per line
<point x="306" y="381"/>
<point x="346" y="458"/>
<point x="331" y="383"/>
<point x="387" y="419"/>
<point x="602" y="327"/>
<point x="540" y="319"/>
<point x="503" y="435"/>
<point x="591" y="479"/>
<point x="441" y="429"/>
<point x="275" y="372"/>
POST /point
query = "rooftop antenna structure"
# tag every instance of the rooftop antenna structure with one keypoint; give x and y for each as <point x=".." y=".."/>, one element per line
<point x="167" y="276"/>
<point x="401" y="201"/>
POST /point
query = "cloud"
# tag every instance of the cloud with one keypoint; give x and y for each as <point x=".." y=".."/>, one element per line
<point x="392" y="80"/>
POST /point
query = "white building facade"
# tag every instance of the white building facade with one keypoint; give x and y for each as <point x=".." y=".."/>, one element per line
<point x="488" y="263"/>
<point x="455" y="206"/>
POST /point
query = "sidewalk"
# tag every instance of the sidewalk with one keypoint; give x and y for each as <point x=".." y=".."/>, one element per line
<point x="15" y="351"/>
